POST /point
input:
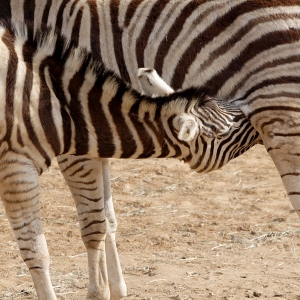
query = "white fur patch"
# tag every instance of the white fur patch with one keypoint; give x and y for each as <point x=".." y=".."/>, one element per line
<point x="152" y="84"/>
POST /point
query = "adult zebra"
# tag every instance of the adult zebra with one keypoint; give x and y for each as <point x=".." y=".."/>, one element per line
<point x="246" y="50"/>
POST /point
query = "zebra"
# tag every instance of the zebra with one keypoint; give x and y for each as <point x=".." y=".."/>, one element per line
<point x="246" y="51"/>
<point x="58" y="99"/>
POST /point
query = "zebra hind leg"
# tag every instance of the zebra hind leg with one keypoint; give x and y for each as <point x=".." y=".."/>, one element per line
<point x="20" y="195"/>
<point x="283" y="151"/>
<point x="85" y="180"/>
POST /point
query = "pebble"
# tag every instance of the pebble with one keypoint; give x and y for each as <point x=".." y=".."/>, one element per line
<point x="164" y="237"/>
<point x="256" y="294"/>
<point x="278" y="295"/>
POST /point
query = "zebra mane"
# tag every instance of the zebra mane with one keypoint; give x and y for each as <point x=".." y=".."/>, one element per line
<point x="197" y="96"/>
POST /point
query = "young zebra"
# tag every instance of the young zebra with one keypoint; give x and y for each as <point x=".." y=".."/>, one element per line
<point x="57" y="99"/>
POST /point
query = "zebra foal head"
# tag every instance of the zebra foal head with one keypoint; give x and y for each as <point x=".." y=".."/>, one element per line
<point x="218" y="131"/>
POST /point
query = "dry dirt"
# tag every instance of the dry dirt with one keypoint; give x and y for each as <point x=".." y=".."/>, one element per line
<point x="230" y="234"/>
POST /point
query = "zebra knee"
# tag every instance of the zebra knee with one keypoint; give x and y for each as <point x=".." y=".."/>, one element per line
<point x="93" y="232"/>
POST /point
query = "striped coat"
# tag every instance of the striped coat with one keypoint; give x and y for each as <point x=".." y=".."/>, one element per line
<point x="247" y="51"/>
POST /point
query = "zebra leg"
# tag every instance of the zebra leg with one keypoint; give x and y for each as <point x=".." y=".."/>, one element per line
<point x="117" y="283"/>
<point x="283" y="151"/>
<point x="85" y="180"/>
<point x="20" y="195"/>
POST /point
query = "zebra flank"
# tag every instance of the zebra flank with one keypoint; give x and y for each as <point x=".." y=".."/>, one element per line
<point x="152" y="30"/>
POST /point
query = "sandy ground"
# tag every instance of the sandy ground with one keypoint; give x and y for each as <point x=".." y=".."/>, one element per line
<point x="230" y="234"/>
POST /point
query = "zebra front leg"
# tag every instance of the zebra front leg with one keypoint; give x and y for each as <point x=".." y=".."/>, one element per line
<point x="20" y="194"/>
<point x="85" y="180"/>
<point x="116" y="280"/>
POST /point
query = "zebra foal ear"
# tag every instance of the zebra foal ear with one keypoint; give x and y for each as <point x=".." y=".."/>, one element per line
<point x="187" y="128"/>
<point x="152" y="84"/>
